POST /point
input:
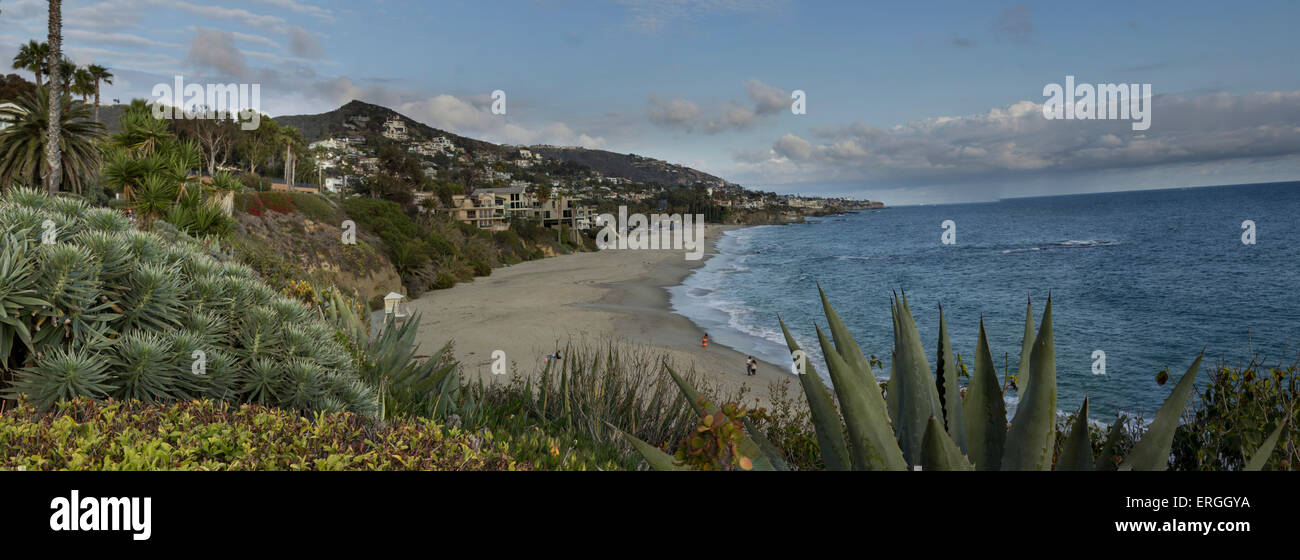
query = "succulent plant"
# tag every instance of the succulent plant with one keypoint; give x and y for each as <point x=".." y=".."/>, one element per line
<point x="106" y="310"/>
<point x="924" y="422"/>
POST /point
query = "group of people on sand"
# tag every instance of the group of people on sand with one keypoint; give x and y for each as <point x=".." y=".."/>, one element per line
<point x="751" y="365"/>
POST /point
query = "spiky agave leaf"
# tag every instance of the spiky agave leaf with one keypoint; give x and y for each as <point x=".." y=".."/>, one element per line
<point x="1032" y="435"/>
<point x="1109" y="448"/>
<point x="1076" y="453"/>
<point x="912" y="384"/>
<point x="874" y="447"/>
<point x="879" y="428"/>
<point x="655" y="457"/>
<point x="143" y="367"/>
<point x="948" y="385"/>
<point x="1261" y="456"/>
<point x="1026" y="349"/>
<point x="939" y="453"/>
<point x="62" y="373"/>
<point x="826" y="421"/>
<point x="1151" y="453"/>
<point x="986" y="411"/>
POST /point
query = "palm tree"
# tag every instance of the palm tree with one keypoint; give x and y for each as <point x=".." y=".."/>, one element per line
<point x="100" y="74"/>
<point x="53" y="144"/>
<point x="67" y="73"/>
<point x="23" y="143"/>
<point x="33" y="57"/>
<point x="83" y="84"/>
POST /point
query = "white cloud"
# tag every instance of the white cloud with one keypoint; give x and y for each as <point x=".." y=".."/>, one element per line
<point x="1016" y="140"/>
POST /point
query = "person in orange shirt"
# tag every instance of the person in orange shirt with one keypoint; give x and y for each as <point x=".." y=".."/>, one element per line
<point x="704" y="342"/>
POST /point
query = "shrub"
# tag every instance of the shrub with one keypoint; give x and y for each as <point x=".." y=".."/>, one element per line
<point x="1238" y="410"/>
<point x="444" y="280"/>
<point x="210" y="435"/>
<point x="481" y="268"/>
<point x="111" y="311"/>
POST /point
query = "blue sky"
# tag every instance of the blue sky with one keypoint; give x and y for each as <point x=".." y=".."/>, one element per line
<point x="907" y="101"/>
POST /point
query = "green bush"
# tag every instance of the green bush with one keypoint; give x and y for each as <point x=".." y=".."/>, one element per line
<point x="211" y="435"/>
<point x="443" y="281"/>
<point x="109" y="311"/>
<point x="1239" y="409"/>
<point x="481" y="268"/>
<point x="315" y="207"/>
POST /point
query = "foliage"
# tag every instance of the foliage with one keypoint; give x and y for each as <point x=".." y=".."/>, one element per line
<point x="84" y="434"/>
<point x="903" y="430"/>
<point x="22" y="144"/>
<point x="715" y="443"/>
<point x="108" y="310"/>
<point x="1235" y="415"/>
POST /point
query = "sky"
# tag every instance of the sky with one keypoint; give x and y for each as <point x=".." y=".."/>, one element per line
<point x="918" y="102"/>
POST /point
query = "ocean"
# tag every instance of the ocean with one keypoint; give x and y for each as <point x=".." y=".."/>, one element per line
<point x="1147" y="277"/>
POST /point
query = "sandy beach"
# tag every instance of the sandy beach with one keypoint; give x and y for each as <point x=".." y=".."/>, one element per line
<point x="530" y="309"/>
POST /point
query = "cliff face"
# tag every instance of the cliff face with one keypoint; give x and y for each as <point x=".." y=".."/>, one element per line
<point x="284" y="246"/>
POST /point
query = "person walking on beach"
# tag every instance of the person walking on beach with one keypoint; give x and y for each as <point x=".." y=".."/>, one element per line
<point x="704" y="342"/>
<point x="751" y="366"/>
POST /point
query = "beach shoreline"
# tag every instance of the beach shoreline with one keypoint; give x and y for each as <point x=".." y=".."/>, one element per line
<point x="532" y="309"/>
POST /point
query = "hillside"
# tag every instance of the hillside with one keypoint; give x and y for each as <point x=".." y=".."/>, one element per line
<point x="630" y="166"/>
<point x="343" y="122"/>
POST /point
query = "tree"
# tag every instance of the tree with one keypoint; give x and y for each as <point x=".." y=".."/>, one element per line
<point x="213" y="135"/>
<point x="100" y="74"/>
<point x="22" y="145"/>
<point x="14" y="86"/>
<point x="53" y="144"/>
<point x="33" y="58"/>
<point x="83" y="84"/>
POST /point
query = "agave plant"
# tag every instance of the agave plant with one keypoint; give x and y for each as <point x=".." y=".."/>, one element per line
<point x="91" y="307"/>
<point x="922" y="422"/>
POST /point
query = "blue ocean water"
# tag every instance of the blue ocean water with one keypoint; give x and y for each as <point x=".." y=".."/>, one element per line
<point x="1147" y="277"/>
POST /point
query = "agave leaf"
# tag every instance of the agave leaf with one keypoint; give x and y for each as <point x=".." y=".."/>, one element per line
<point x="1106" y="461"/>
<point x="1076" y="455"/>
<point x="986" y="411"/>
<point x="1265" y="450"/>
<point x="1026" y="348"/>
<point x="769" y="450"/>
<point x="655" y="457"/>
<point x="1152" y="452"/>
<point x="826" y="421"/>
<point x="874" y="447"/>
<point x="1033" y="429"/>
<point x="865" y="384"/>
<point x="949" y="387"/>
<point x="845" y="345"/>
<point x="913" y="384"/>
<point x="940" y="453"/>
